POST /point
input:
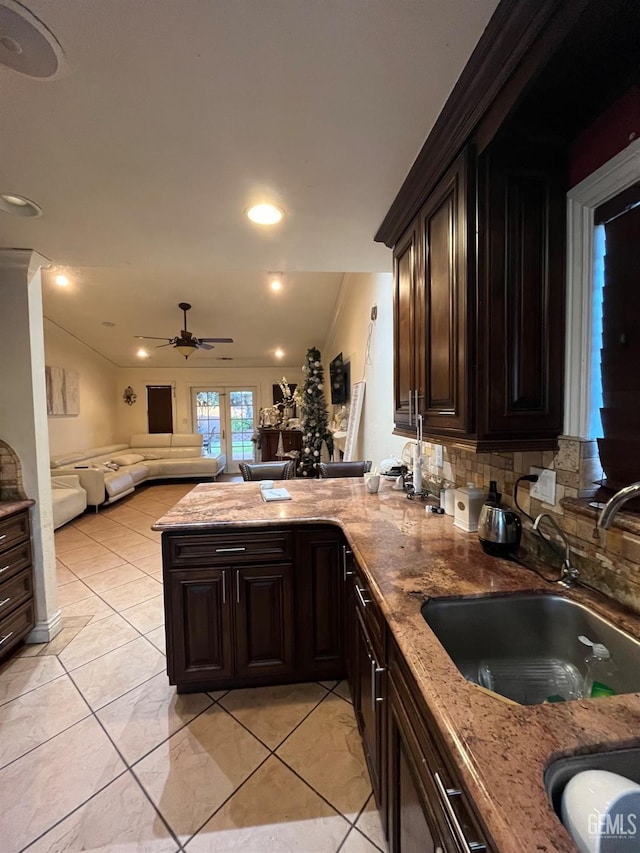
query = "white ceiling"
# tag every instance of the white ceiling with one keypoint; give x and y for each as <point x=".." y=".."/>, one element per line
<point x="169" y="117"/>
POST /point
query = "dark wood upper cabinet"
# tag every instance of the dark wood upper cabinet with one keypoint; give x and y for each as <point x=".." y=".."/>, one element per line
<point x="478" y="226"/>
<point x="520" y="268"/>
<point x="442" y="319"/>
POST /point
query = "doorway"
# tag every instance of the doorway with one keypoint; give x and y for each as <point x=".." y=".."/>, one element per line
<point x="160" y="408"/>
<point x="226" y="419"/>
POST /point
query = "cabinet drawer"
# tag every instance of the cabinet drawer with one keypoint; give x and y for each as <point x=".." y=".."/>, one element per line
<point x="15" y="591"/>
<point x="448" y="800"/>
<point x="14" y="560"/>
<point x="14" y="530"/>
<point x="16" y="626"/>
<point x="209" y="550"/>
<point x="370" y="613"/>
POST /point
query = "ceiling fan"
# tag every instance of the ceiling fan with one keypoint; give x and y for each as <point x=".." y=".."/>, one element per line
<point x="186" y="343"/>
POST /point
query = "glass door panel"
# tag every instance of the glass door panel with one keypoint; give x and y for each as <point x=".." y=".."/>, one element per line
<point x="225" y="417"/>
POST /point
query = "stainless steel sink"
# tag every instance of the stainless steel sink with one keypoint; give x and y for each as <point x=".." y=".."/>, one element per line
<point x="624" y="762"/>
<point x="526" y="646"/>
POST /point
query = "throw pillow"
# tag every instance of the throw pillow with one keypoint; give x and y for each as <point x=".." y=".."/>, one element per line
<point x="128" y="458"/>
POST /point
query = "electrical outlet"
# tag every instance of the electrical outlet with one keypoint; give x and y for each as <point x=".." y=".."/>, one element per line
<point x="545" y="489"/>
<point x="374" y="312"/>
<point x="437" y="455"/>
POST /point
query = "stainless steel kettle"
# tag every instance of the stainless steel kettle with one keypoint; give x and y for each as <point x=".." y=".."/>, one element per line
<point x="499" y="530"/>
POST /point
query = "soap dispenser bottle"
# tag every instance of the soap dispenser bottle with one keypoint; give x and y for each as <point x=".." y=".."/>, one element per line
<point x="600" y="671"/>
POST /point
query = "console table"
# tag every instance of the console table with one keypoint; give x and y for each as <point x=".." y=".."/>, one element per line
<point x="291" y="440"/>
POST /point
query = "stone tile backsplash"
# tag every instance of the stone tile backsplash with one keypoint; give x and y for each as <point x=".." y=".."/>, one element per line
<point x="609" y="560"/>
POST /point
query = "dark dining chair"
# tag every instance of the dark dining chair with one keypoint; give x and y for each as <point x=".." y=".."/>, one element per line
<point x="267" y="470"/>
<point x="344" y="469"/>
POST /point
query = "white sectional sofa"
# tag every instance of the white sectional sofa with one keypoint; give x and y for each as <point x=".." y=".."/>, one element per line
<point x="68" y="499"/>
<point x="109" y="473"/>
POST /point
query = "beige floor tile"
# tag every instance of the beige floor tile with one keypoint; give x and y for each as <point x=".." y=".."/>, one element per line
<point x="357" y="843"/>
<point x="21" y="674"/>
<point x="120" y="819"/>
<point x="189" y="776"/>
<point x="326" y="751"/>
<point x="30" y="720"/>
<point x="93" y="523"/>
<point x="113" y="577"/>
<point x="158" y="638"/>
<point x="107" y="678"/>
<point x="124" y="538"/>
<point x="342" y="689"/>
<point x="75" y="621"/>
<point x="45" y="785"/>
<point x="95" y="565"/>
<point x="93" y="607"/>
<point x="150" y="564"/>
<point x="82" y="556"/>
<point x="60" y="641"/>
<point x="146" y="616"/>
<point x="63" y="574"/>
<point x="112" y="533"/>
<point x="72" y="592"/>
<point x="369" y="824"/>
<point x="68" y="539"/>
<point x="97" y="639"/>
<point x="273" y="811"/>
<point x="137" y="551"/>
<point x="141" y="719"/>
<point x="29" y="650"/>
<point x="271" y="713"/>
<point x="130" y="594"/>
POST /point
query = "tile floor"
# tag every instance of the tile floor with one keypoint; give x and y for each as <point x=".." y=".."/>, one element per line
<point x="99" y="753"/>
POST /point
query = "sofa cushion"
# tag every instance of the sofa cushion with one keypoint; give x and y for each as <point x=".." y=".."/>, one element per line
<point x="118" y="483"/>
<point x="155" y="439"/>
<point x="128" y="458"/>
<point x="138" y="472"/>
<point x="189" y="439"/>
<point x="71" y="459"/>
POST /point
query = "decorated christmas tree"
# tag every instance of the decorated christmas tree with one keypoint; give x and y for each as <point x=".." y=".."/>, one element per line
<point x="314" y="420"/>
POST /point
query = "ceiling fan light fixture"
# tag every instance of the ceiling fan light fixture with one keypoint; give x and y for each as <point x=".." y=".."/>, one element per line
<point x="185" y="348"/>
<point x="265" y="214"/>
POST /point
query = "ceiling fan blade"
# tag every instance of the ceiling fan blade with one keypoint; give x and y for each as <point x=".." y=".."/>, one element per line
<point x="202" y="345"/>
<point x="217" y="340"/>
<point x="159" y="346"/>
<point x="151" y="338"/>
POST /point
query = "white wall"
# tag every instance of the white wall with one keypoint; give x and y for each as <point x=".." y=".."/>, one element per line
<point x="349" y="334"/>
<point x="96" y="424"/>
<point x="133" y="419"/>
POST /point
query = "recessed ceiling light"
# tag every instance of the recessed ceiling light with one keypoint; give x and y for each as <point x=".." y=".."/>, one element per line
<point x="265" y="214"/>
<point x="62" y="280"/>
<point x="18" y="205"/>
<point x="276" y="281"/>
<point x="142" y="353"/>
<point x="279" y="353"/>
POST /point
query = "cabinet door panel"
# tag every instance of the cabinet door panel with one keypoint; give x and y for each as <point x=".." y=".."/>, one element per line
<point x="199" y="645"/>
<point x="367" y="709"/>
<point x="523" y="270"/>
<point x="319" y="609"/>
<point x="264" y="620"/>
<point x="406" y="309"/>
<point x="443" y="233"/>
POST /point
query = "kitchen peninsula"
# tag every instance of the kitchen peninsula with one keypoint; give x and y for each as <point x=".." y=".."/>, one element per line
<point x="424" y="727"/>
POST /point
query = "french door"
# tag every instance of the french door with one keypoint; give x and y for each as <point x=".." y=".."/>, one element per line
<point x="226" y="419"/>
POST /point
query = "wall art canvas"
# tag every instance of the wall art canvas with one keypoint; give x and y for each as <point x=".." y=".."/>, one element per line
<point x="63" y="391"/>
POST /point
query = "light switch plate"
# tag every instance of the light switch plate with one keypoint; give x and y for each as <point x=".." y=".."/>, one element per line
<point x="545" y="489"/>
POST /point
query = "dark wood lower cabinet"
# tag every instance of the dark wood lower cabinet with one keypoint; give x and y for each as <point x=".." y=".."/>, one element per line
<point x="264" y="620"/>
<point x="199" y="626"/>
<point x="320" y="592"/>
<point x="291" y="604"/>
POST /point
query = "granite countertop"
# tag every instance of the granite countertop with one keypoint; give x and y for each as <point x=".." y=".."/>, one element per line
<point x="10" y="507"/>
<point x="409" y="555"/>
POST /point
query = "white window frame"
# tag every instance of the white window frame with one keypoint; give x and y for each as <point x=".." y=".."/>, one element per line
<point x="617" y="174"/>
